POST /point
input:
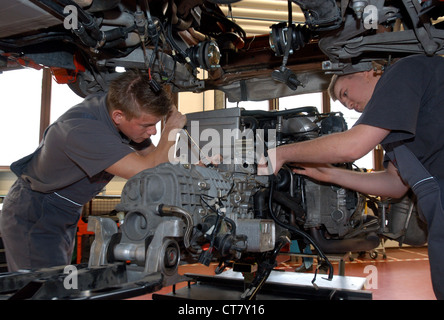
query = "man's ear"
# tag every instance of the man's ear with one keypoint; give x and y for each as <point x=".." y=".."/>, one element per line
<point x="117" y="116"/>
<point x="370" y="75"/>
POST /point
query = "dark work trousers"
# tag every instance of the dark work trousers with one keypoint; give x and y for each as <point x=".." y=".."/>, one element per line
<point x="38" y="229"/>
<point x="428" y="192"/>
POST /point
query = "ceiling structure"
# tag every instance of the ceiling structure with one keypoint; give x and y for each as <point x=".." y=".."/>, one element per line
<point x="256" y="16"/>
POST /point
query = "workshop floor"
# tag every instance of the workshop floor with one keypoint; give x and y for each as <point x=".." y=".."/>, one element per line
<point x="403" y="274"/>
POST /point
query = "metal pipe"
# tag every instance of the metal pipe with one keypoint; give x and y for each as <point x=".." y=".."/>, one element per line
<point x="129" y="251"/>
<point x="173" y="210"/>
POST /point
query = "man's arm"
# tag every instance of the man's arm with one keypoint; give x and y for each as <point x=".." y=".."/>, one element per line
<point x="146" y="151"/>
<point x="385" y="183"/>
<point x="340" y="147"/>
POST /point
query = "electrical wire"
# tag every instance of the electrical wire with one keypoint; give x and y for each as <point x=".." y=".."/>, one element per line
<point x="297" y="231"/>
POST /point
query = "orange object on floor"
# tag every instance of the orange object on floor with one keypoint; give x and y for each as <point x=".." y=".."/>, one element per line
<point x="82" y="229"/>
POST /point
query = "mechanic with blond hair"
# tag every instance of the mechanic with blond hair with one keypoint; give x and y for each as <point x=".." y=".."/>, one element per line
<point x="106" y="135"/>
<point x="403" y="110"/>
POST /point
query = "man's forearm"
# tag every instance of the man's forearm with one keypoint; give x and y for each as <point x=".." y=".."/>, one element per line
<point x="380" y="183"/>
<point x="338" y="147"/>
<point x="327" y="149"/>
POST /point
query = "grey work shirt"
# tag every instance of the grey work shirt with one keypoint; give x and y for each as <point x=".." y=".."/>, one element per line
<point x="75" y="151"/>
<point x="408" y="100"/>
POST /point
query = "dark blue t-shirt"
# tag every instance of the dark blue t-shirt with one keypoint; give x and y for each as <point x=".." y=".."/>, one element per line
<point x="75" y="151"/>
<point x="408" y="100"/>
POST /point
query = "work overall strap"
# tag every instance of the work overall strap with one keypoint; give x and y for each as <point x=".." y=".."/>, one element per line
<point x="409" y="167"/>
<point x="423" y="184"/>
<point x="428" y="193"/>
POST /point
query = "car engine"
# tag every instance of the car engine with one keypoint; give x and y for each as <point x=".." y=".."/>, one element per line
<point x="223" y="211"/>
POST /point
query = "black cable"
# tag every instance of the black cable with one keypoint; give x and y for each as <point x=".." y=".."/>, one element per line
<point x="297" y="231"/>
<point x="176" y="47"/>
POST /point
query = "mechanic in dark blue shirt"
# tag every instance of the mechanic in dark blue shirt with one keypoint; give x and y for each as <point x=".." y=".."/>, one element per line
<point x="403" y="110"/>
<point x="106" y="135"/>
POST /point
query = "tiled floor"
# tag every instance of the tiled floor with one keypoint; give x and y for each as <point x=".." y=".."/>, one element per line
<point x="403" y="274"/>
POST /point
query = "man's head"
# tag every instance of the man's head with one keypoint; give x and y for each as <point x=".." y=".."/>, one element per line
<point x="354" y="90"/>
<point x="134" y="108"/>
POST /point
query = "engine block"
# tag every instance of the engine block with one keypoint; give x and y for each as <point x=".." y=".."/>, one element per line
<point x="183" y="212"/>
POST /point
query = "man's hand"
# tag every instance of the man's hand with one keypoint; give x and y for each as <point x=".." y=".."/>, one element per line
<point x="270" y="164"/>
<point x="213" y="161"/>
<point x="317" y="171"/>
<point x="174" y="120"/>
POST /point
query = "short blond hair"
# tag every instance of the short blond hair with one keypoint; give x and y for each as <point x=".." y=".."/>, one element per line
<point x="376" y="66"/>
<point x="331" y="87"/>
